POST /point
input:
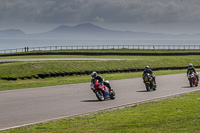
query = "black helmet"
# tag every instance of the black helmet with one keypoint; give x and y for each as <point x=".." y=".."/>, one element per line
<point x="93" y="74"/>
<point x="190" y="65"/>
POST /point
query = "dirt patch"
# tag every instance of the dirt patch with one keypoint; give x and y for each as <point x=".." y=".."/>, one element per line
<point x="36" y="65"/>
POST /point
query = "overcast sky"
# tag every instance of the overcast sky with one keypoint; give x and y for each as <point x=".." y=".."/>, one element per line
<point x="164" y="16"/>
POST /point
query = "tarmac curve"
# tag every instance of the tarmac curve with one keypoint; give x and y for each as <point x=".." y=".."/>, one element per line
<point x="35" y="105"/>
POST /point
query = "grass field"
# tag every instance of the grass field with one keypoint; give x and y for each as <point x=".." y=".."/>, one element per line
<point x="177" y="114"/>
<point x="20" y="69"/>
<point x="117" y="51"/>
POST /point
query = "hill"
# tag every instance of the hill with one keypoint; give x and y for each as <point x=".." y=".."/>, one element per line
<point x="88" y="30"/>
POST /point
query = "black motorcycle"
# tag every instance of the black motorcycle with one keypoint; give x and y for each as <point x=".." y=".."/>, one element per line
<point x="149" y="82"/>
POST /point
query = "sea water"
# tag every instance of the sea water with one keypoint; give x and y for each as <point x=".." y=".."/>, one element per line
<point x="21" y="43"/>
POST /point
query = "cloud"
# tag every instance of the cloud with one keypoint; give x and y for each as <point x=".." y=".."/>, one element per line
<point x="108" y="11"/>
<point x="98" y="19"/>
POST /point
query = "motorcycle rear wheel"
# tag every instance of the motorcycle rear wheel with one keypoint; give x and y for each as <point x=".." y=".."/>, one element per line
<point x="154" y="87"/>
<point x="197" y="83"/>
<point x="112" y="96"/>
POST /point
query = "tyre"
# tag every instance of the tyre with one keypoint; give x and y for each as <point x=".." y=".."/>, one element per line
<point x="197" y="83"/>
<point x="147" y="87"/>
<point x="154" y="87"/>
<point x="99" y="95"/>
<point x="112" y="95"/>
<point x="191" y="83"/>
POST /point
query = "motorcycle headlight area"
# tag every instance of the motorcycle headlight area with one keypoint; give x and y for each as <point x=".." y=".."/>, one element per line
<point x="190" y="76"/>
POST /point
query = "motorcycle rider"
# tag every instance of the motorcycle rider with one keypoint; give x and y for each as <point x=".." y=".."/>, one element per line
<point x="100" y="79"/>
<point x="191" y="68"/>
<point x="148" y="70"/>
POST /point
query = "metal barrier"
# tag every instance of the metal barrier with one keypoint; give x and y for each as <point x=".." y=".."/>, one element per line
<point x="152" y="47"/>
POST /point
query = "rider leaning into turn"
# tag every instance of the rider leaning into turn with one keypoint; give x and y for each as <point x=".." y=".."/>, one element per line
<point x="191" y="68"/>
<point x="148" y="70"/>
<point x="100" y="79"/>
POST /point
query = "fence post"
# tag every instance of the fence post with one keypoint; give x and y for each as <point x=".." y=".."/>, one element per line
<point x="153" y="47"/>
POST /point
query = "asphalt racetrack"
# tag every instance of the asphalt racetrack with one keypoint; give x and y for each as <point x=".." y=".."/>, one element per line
<point x="35" y="105"/>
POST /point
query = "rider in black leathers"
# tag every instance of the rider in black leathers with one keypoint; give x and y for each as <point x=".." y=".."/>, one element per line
<point x="191" y="68"/>
<point x="100" y="79"/>
<point x="148" y="70"/>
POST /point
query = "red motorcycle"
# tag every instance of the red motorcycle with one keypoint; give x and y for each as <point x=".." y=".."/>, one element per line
<point x="192" y="79"/>
<point x="101" y="91"/>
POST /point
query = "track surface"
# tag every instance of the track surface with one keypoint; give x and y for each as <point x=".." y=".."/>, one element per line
<point x="28" y="106"/>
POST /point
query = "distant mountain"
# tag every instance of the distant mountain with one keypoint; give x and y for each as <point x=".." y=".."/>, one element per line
<point x="11" y="33"/>
<point x="87" y="27"/>
<point x="88" y="30"/>
<point x="79" y="31"/>
<point x="61" y="29"/>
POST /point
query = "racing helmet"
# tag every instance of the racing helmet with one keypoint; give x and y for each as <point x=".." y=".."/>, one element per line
<point x="146" y="68"/>
<point x="94" y="74"/>
<point x="190" y="65"/>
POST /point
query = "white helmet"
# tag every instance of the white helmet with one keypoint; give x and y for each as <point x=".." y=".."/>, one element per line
<point x="146" y="67"/>
<point x="93" y="74"/>
<point x="190" y="65"/>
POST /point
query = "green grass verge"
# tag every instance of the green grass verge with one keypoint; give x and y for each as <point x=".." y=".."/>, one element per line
<point x="178" y="115"/>
<point x="20" y="69"/>
<point x="21" y="84"/>
<point x="116" y="51"/>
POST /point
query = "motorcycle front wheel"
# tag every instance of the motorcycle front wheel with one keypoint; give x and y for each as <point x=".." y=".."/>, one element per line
<point x="99" y="95"/>
<point x="197" y="83"/>
<point x="147" y="87"/>
<point x="191" y="83"/>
